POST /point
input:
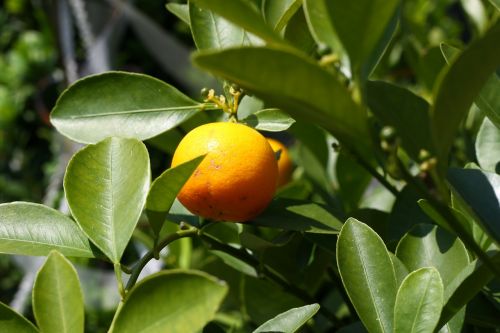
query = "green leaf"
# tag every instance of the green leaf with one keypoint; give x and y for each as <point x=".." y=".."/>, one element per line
<point x="488" y="146"/>
<point x="495" y="3"/>
<point x="34" y="230"/>
<point x="399" y="268"/>
<point x="180" y="10"/>
<point x="272" y="120"/>
<point x="164" y="190"/>
<point x="321" y="25"/>
<point x="310" y="92"/>
<point x="419" y="302"/>
<point x="352" y="178"/>
<point x="298" y="34"/>
<point x="468" y="183"/>
<point x="122" y="105"/>
<point x="251" y="21"/>
<point x="458" y="85"/>
<point x="211" y="31"/>
<point x="57" y="297"/>
<point x="11" y="321"/>
<point x="289" y="321"/>
<point x="464" y="287"/>
<point x="426" y="245"/>
<point x="278" y="12"/>
<point x="406" y="112"/>
<point x="365" y="28"/>
<point x="488" y="100"/>
<point x="106" y="186"/>
<point x="170" y="302"/>
<point x="367" y="274"/>
<point x="298" y="215"/>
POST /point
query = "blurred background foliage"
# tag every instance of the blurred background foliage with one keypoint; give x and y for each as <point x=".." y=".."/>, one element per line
<point x="47" y="44"/>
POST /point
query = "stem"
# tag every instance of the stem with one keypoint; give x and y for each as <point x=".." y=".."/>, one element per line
<point x="136" y="271"/>
<point x="118" y="274"/>
<point x="252" y="261"/>
<point x="374" y="172"/>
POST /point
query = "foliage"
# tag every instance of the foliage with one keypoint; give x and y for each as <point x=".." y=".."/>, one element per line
<point x="390" y="223"/>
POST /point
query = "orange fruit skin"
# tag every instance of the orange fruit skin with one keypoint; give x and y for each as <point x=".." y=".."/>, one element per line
<point x="285" y="165"/>
<point x="238" y="177"/>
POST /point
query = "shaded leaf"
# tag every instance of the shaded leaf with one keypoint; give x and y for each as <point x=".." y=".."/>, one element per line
<point x="288" y="214"/>
<point x="150" y="307"/>
<point x="298" y="34"/>
<point x="11" y="321"/>
<point x="458" y="85"/>
<point x="106" y="185"/>
<point x="488" y="99"/>
<point x="468" y="183"/>
<point x="272" y="120"/>
<point x="419" y="302"/>
<point x="368" y="275"/>
<point x="321" y="25"/>
<point x="164" y="190"/>
<point x="406" y="112"/>
<point x="289" y="321"/>
<point x="365" y="28"/>
<point x="278" y="12"/>
<point x="34" y="230"/>
<point x="57" y="297"/>
<point x="120" y="104"/>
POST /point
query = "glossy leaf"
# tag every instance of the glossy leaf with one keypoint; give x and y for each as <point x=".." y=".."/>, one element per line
<point x="488" y="99"/>
<point x="298" y="215"/>
<point x="406" y="112"/>
<point x="106" y="186"/>
<point x="426" y="245"/>
<point x="458" y="85"/>
<point x="289" y="321"/>
<point x="164" y="190"/>
<point x="368" y="275"/>
<point x="468" y="183"/>
<point x="211" y="31"/>
<point x="122" y="105"/>
<point x="57" y="297"/>
<point x="272" y="120"/>
<point x="365" y="28"/>
<point x="488" y="146"/>
<point x="34" y="230"/>
<point x="352" y="178"/>
<point x="310" y="93"/>
<point x="180" y="10"/>
<point x="419" y="302"/>
<point x="321" y="25"/>
<point x="399" y="268"/>
<point x="11" y="321"/>
<point x="278" y="12"/>
<point x="170" y="301"/>
<point x="252" y="21"/>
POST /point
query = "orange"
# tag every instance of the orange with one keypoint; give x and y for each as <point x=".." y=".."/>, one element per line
<point x="285" y="165"/>
<point x="238" y="177"/>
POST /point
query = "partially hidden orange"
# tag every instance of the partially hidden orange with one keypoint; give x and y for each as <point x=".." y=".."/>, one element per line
<point x="285" y="165"/>
<point x="238" y="177"/>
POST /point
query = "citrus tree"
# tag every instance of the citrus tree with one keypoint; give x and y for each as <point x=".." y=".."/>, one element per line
<point x="389" y="223"/>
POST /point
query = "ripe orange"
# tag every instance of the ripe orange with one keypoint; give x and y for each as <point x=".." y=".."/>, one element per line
<point x="285" y="165"/>
<point x="238" y="177"/>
